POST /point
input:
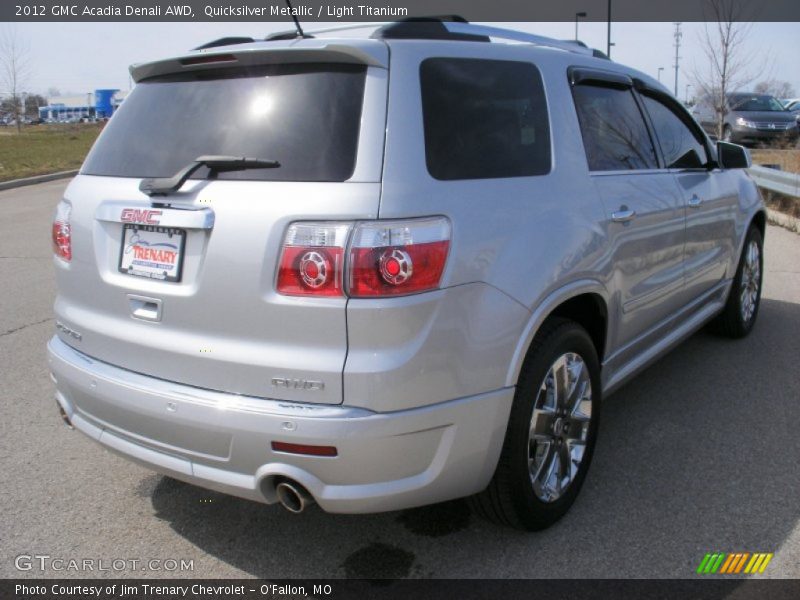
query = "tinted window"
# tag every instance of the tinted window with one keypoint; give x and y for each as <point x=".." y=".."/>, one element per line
<point x="679" y="144"/>
<point x="484" y="119"/>
<point x="614" y="133"/>
<point x="304" y="116"/>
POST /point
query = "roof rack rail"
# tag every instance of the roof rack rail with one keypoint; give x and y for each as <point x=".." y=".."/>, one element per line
<point x="428" y="28"/>
<point x="445" y="27"/>
<point x="517" y="36"/>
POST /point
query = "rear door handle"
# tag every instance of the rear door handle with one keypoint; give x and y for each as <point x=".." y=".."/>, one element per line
<point x="623" y="215"/>
<point x="695" y="201"/>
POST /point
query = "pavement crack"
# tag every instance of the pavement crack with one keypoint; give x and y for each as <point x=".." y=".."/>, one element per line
<point x="16" y="329"/>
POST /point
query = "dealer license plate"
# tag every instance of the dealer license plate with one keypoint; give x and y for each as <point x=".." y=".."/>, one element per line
<point x="153" y="252"/>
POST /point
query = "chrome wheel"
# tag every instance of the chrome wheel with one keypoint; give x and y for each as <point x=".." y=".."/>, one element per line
<point x="751" y="280"/>
<point x="559" y="427"/>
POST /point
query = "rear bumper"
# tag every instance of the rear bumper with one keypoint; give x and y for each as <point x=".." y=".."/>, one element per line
<point x="385" y="461"/>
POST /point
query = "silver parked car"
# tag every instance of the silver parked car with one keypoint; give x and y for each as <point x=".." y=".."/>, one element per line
<point x="386" y="272"/>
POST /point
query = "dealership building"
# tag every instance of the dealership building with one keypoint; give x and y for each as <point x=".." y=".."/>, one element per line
<point x="98" y="105"/>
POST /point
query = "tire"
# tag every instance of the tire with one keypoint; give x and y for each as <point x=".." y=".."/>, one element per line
<point x="727" y="134"/>
<point x="741" y="309"/>
<point x="528" y="492"/>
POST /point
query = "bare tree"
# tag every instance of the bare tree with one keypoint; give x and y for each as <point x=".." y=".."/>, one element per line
<point x="15" y="68"/>
<point x="773" y="87"/>
<point x="728" y="65"/>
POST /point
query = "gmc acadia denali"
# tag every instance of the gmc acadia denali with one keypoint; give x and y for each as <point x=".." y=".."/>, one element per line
<point x="382" y="272"/>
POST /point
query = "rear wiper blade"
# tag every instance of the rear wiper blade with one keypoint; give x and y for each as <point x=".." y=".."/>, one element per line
<point x="160" y="186"/>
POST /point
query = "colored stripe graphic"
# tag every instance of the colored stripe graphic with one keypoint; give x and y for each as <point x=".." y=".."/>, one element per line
<point x="731" y="563"/>
<point x="741" y="562"/>
<point x="728" y="563"/>
<point x="703" y="563"/>
<point x="766" y="562"/>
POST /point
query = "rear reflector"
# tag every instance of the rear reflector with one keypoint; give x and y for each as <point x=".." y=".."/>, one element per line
<point x="304" y="449"/>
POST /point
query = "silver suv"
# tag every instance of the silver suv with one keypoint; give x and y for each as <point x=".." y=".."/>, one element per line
<point x="386" y="272"/>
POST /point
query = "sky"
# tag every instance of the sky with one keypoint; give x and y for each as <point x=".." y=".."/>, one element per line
<point x="77" y="58"/>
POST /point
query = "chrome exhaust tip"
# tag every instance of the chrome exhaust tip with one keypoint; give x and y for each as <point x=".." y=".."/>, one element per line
<point x="293" y="496"/>
<point x="64" y="416"/>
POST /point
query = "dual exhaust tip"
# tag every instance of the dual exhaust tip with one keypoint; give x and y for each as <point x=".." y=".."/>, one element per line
<point x="292" y="496"/>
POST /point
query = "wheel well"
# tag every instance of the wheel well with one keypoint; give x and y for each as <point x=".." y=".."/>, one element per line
<point x="760" y="221"/>
<point x="589" y="311"/>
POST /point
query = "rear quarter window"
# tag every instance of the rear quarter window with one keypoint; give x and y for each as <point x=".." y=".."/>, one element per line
<point x="305" y="116"/>
<point x="484" y="119"/>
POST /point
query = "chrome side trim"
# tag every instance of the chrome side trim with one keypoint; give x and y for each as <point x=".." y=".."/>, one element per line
<point x="614" y="380"/>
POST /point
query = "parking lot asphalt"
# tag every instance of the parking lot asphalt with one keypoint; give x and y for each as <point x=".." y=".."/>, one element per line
<point x="700" y="453"/>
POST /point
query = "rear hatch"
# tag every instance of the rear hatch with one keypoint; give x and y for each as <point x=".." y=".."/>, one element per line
<point x="181" y="286"/>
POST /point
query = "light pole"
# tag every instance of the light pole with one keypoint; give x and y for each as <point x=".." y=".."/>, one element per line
<point x="608" y="48"/>
<point x="659" y="73"/>
<point x="578" y="15"/>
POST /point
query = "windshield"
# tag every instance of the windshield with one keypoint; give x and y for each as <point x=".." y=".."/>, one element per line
<point x="745" y="103"/>
<point x="304" y="116"/>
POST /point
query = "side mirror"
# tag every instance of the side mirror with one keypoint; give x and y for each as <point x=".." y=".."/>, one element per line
<point x="733" y="156"/>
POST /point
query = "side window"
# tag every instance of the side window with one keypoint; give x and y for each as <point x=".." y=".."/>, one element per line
<point x="614" y="132"/>
<point x="484" y="119"/>
<point x="680" y="145"/>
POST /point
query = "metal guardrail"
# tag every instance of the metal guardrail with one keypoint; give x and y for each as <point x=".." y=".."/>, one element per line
<point x="777" y="181"/>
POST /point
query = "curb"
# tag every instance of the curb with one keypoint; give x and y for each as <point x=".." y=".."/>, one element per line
<point x="15" y="183"/>
<point x="783" y="220"/>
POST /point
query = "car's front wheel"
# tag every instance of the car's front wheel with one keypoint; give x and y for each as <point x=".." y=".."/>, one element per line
<point x="551" y="431"/>
<point x="740" y="312"/>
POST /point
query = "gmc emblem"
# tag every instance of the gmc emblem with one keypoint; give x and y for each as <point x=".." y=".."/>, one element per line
<point x="143" y="215"/>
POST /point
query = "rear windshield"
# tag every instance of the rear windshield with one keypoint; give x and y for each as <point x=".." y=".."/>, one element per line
<point x="304" y="116"/>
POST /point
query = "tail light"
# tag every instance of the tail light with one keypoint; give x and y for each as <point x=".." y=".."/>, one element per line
<point x="312" y="260"/>
<point x="385" y="258"/>
<point x="62" y="232"/>
<point x="391" y="258"/>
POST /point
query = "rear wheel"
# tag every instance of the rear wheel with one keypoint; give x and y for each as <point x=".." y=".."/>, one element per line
<point x="741" y="309"/>
<point x="551" y="431"/>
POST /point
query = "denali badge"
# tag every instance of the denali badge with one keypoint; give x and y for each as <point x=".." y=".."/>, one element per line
<point x="67" y="331"/>
<point x="298" y="384"/>
<point x="144" y="216"/>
